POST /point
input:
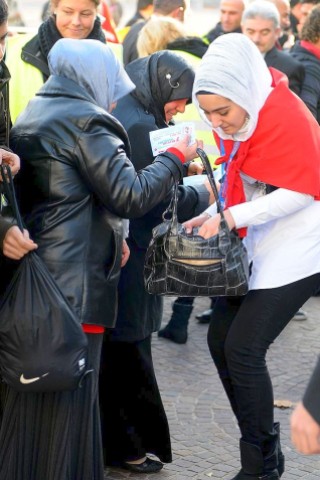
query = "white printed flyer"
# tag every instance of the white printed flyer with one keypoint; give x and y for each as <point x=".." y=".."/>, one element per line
<point x="164" y="138"/>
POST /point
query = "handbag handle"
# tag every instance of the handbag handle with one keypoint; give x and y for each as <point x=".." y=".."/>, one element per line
<point x="207" y="166"/>
<point x="7" y="181"/>
<point x="172" y="208"/>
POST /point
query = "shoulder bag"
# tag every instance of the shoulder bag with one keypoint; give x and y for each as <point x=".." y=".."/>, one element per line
<point x="187" y="265"/>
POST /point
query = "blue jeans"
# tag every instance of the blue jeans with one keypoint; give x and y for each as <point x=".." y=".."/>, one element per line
<point x="239" y="335"/>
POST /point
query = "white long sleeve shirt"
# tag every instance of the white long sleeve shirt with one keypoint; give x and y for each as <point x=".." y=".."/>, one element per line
<point x="283" y="237"/>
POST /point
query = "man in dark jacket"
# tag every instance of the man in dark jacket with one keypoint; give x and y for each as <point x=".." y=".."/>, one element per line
<point x="165" y="8"/>
<point x="307" y="51"/>
<point x="13" y="242"/>
<point x="143" y="12"/>
<point x="261" y="23"/>
<point x="230" y="19"/>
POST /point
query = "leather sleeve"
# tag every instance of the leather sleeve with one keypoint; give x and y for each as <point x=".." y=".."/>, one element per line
<point x="108" y="171"/>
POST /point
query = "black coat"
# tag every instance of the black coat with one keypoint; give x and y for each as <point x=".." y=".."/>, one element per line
<point x="286" y="64"/>
<point x="130" y="51"/>
<point x="141" y="112"/>
<point x="5" y="124"/>
<point x="217" y="31"/>
<point x="310" y="92"/>
<point x="76" y="183"/>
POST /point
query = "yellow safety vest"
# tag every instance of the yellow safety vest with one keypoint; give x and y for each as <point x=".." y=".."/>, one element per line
<point x="26" y="79"/>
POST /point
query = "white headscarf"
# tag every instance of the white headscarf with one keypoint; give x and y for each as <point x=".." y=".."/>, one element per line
<point x="93" y="66"/>
<point x="234" y="68"/>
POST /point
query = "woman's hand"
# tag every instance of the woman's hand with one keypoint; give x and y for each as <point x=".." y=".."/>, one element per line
<point x="17" y="244"/>
<point x="10" y="159"/>
<point x="125" y="253"/>
<point x="189" y="151"/>
<point x="195" y="168"/>
<point x="209" y="226"/>
<point x="305" y="431"/>
<point x="195" y="222"/>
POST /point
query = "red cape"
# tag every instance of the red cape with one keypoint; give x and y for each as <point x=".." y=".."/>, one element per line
<point x="284" y="150"/>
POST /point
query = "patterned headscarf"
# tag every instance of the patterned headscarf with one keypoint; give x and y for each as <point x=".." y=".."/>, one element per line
<point x="93" y="66"/>
<point x="234" y="68"/>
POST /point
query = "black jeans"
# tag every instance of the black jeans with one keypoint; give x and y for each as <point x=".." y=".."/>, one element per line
<point x="239" y="335"/>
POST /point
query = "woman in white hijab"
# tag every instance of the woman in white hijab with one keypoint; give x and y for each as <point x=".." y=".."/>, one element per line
<point x="270" y="151"/>
<point x="77" y="183"/>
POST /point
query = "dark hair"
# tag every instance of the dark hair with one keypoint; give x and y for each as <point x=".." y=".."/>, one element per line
<point x="165" y="7"/>
<point x="311" y="28"/>
<point x="4" y="12"/>
<point x="314" y="2"/>
<point x="143" y="4"/>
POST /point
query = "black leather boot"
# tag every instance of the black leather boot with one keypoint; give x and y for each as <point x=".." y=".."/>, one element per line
<point x="176" y="329"/>
<point x="255" y="466"/>
<point x="281" y="461"/>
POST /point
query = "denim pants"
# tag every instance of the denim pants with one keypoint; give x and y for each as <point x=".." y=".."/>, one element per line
<point x="239" y="335"/>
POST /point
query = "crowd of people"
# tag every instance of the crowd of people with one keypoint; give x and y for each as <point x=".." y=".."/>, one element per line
<point x="75" y="131"/>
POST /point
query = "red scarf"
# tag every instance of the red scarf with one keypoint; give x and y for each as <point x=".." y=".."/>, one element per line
<point x="283" y="151"/>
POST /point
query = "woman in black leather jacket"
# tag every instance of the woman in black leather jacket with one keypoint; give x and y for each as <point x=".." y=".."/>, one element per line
<point x="133" y="418"/>
<point x="76" y="183"/>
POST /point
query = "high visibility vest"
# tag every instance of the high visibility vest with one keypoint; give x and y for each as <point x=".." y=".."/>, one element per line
<point x="25" y="78"/>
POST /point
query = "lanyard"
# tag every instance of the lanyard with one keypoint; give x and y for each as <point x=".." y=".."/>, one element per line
<point x="225" y="165"/>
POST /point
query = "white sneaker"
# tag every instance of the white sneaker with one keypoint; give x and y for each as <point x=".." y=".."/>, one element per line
<point x="300" y="315"/>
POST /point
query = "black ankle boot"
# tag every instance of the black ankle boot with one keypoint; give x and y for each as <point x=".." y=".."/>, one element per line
<point x="255" y="466"/>
<point x="281" y="461"/>
<point x="177" y="327"/>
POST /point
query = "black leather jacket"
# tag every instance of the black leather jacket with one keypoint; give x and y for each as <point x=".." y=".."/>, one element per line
<point x="76" y="183"/>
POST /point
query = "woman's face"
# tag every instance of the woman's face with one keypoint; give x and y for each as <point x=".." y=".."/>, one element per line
<point x="222" y="112"/>
<point x="174" y="107"/>
<point x="75" y="18"/>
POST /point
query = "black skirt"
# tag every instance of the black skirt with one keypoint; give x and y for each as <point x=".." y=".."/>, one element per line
<point x="53" y="436"/>
<point x="134" y="422"/>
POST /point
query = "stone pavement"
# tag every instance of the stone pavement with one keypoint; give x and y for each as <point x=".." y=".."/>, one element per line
<point x="203" y="430"/>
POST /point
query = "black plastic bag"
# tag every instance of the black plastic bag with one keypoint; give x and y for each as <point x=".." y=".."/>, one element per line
<point x="42" y="345"/>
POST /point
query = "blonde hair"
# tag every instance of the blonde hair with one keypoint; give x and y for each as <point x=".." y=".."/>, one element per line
<point x="157" y="33"/>
<point x="55" y="3"/>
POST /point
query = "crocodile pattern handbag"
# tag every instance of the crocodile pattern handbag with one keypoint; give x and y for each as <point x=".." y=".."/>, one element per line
<point x="187" y="265"/>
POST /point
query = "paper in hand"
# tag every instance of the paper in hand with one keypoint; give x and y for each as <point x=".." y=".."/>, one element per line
<point x="164" y="138"/>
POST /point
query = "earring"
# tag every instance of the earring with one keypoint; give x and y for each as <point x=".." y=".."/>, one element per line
<point x="168" y="77"/>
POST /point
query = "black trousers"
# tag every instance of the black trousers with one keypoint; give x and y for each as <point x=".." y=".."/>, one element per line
<point x="239" y="335"/>
<point x="134" y="422"/>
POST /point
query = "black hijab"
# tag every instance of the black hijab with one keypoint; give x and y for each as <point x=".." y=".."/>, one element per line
<point x="160" y="78"/>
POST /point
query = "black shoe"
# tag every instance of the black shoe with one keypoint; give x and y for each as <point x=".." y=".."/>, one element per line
<point x="205" y="316"/>
<point x="148" y="466"/>
<point x="262" y="476"/>
<point x="176" y="336"/>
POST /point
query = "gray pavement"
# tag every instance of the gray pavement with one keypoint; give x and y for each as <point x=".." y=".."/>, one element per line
<point x="203" y="430"/>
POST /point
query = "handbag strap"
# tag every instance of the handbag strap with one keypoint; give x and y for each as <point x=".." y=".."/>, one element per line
<point x="207" y="166"/>
<point x="171" y="211"/>
<point x="9" y="190"/>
